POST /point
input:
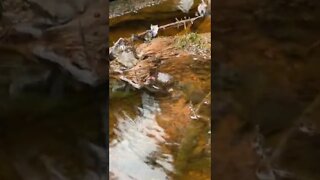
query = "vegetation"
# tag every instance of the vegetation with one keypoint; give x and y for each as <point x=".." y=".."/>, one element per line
<point x="193" y="42"/>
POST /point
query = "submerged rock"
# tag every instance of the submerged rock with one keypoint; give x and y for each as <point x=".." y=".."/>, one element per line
<point x="164" y="78"/>
<point x="160" y="83"/>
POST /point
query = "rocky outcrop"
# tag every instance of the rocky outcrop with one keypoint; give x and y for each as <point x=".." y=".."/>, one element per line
<point x="44" y="31"/>
<point x="50" y="52"/>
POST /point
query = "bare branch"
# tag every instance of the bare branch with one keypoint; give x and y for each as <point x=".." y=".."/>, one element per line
<point x="177" y="24"/>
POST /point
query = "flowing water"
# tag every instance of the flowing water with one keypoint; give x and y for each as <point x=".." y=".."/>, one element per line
<point x="137" y="141"/>
<point x="52" y="128"/>
<point x="157" y="137"/>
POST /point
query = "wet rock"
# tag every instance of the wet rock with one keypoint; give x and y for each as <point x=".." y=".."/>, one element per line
<point x="82" y="75"/>
<point x="124" y="52"/>
<point x="60" y="11"/>
<point x="27" y="29"/>
<point x="160" y="83"/>
<point x="74" y="45"/>
<point x="164" y="78"/>
<point x="115" y="85"/>
<point x="122" y="7"/>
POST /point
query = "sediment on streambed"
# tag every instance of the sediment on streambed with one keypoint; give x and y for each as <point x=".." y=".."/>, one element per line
<point x="151" y="57"/>
<point x="140" y="65"/>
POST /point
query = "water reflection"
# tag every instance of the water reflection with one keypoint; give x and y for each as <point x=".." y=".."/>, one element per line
<point x="135" y="153"/>
<point x="153" y="143"/>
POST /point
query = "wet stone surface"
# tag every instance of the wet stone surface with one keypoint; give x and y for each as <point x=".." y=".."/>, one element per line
<point x="50" y="120"/>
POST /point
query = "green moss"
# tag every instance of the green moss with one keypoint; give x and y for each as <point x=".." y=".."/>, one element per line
<point x="192" y="41"/>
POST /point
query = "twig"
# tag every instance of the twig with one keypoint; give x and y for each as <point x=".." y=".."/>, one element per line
<point x="180" y="22"/>
<point x="177" y="23"/>
<point x="195" y="111"/>
<point x="201" y="103"/>
<point x="137" y="86"/>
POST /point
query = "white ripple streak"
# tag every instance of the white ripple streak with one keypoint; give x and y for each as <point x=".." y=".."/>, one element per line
<point x="137" y="139"/>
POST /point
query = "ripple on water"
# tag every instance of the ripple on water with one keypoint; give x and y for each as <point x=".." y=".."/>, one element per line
<point x="137" y="143"/>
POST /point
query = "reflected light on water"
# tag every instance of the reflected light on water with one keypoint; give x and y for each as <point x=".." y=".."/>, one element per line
<point x="135" y="153"/>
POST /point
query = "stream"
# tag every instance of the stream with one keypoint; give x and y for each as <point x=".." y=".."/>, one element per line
<point x="131" y="153"/>
<point x="154" y="136"/>
<point x="52" y="126"/>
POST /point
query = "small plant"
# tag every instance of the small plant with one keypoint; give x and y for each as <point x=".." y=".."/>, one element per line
<point x="189" y="40"/>
<point x="194" y="43"/>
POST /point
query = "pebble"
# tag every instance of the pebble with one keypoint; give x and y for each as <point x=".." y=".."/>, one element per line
<point x="163" y="77"/>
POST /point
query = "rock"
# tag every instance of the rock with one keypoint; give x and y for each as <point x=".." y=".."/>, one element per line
<point x="67" y="40"/>
<point x="124" y="52"/>
<point x="82" y="75"/>
<point x="127" y="59"/>
<point x="60" y="11"/>
<point x="164" y="78"/>
<point x="122" y="7"/>
<point x="28" y="30"/>
<point x="115" y="85"/>
<point x="160" y="83"/>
